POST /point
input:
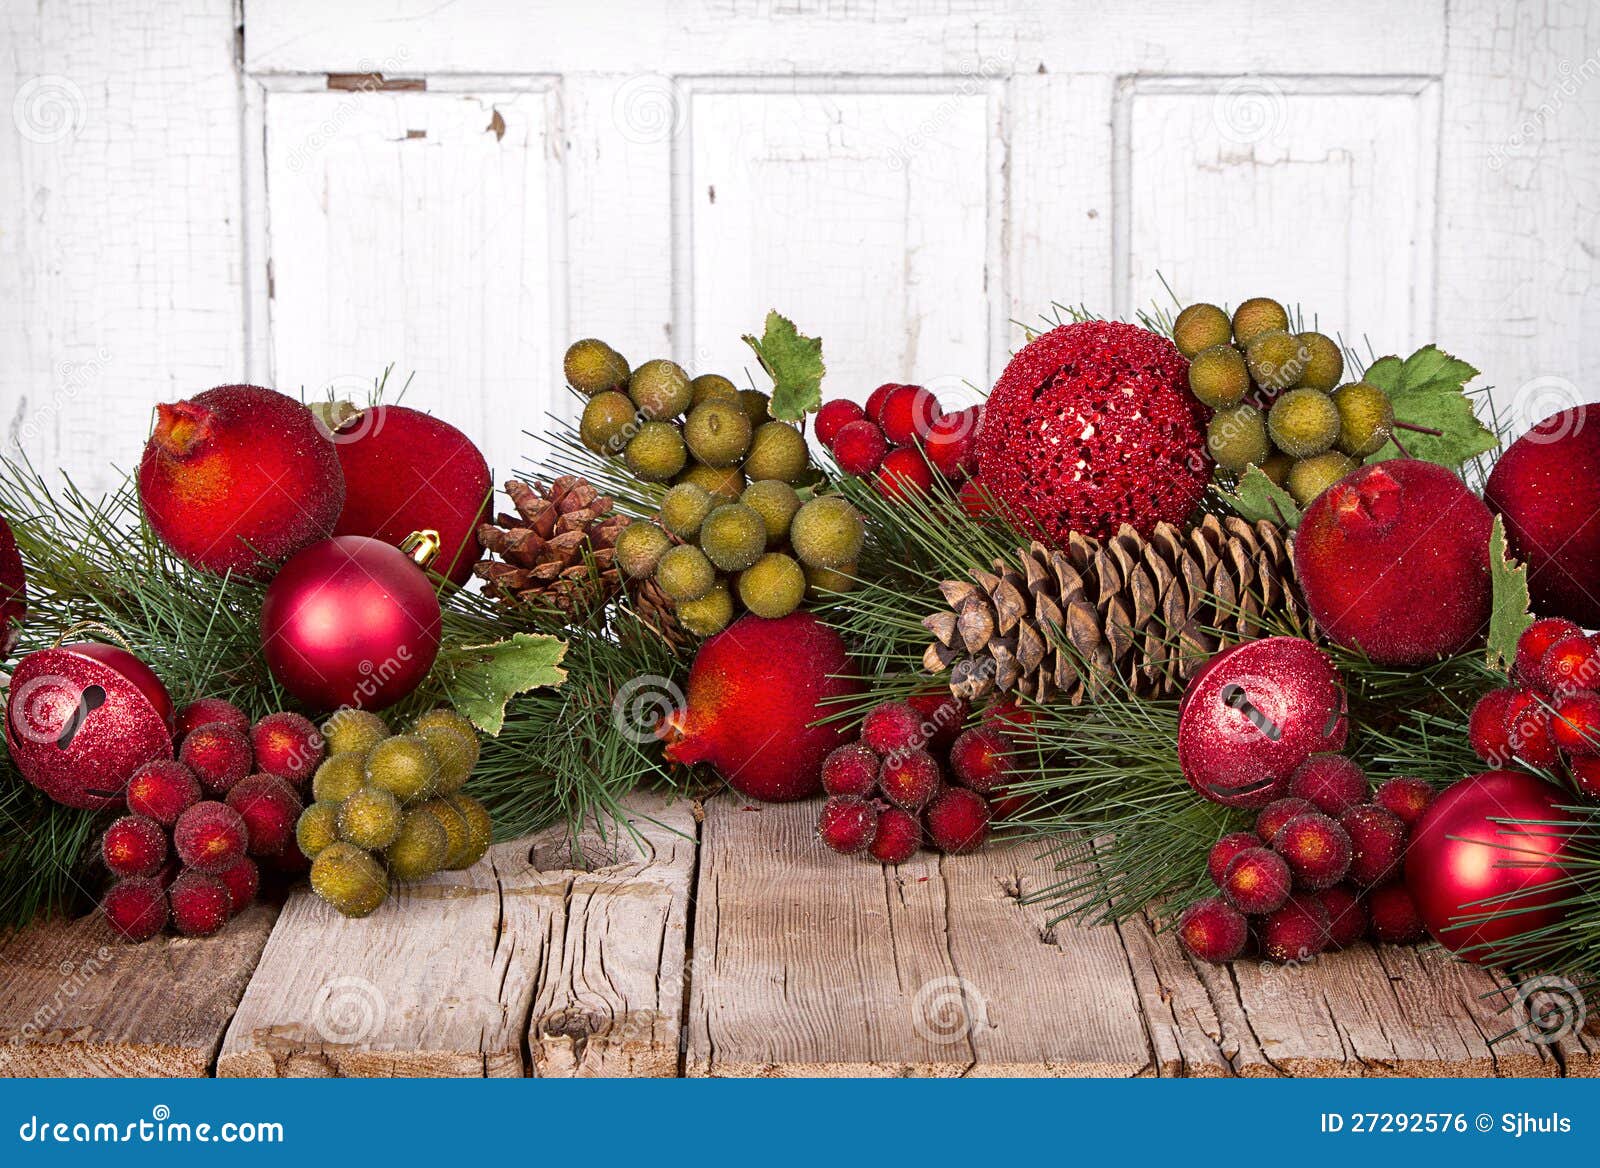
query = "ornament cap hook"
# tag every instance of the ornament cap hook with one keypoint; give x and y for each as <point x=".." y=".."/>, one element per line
<point x="422" y="547"/>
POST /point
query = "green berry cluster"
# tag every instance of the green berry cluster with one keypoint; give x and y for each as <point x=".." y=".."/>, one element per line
<point x="389" y="807"/>
<point x="671" y="428"/>
<point x="1277" y="397"/>
<point x="763" y="552"/>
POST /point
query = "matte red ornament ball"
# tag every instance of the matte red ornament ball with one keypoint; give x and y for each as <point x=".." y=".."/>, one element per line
<point x="1464" y="852"/>
<point x="1092" y="426"/>
<point x="350" y="621"/>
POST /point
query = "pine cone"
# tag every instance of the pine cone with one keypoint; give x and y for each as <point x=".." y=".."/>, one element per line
<point x="558" y="550"/>
<point x="1145" y="612"/>
<point x="657" y="613"/>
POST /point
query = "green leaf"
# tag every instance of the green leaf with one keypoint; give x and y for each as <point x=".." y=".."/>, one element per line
<point x="794" y="363"/>
<point x="1257" y="497"/>
<point x="486" y="677"/>
<point x="1427" y="390"/>
<point x="1509" y="615"/>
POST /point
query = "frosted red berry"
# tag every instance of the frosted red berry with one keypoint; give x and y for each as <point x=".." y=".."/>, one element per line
<point x="210" y="836"/>
<point x="1347" y="915"/>
<point x="201" y="904"/>
<point x="1332" y="782"/>
<point x="136" y="908"/>
<point x="243" y="881"/>
<point x="1535" y="642"/>
<point x="952" y="443"/>
<point x="1279" y="812"/>
<point x="1316" y="848"/>
<point x="1570" y="665"/>
<point x="287" y="745"/>
<point x="909" y="779"/>
<point x="1528" y="730"/>
<point x="218" y="754"/>
<point x="859" y="448"/>
<point x="907" y="413"/>
<point x="1407" y="797"/>
<point x="1487" y="726"/>
<point x="942" y="714"/>
<point x="1296" y="932"/>
<point x="834" y="416"/>
<point x="875" y="399"/>
<point x="897" y="837"/>
<point x="847" y="824"/>
<point x="892" y="726"/>
<point x="1586" y="775"/>
<point x="1575" y="725"/>
<point x="982" y="758"/>
<point x="957" y="820"/>
<point x="1257" y="881"/>
<point x="162" y="790"/>
<point x="904" y="474"/>
<point x="1394" y="915"/>
<point x="1213" y="930"/>
<point x="1225" y="849"/>
<point x="851" y="769"/>
<point x="134" y="846"/>
<point x="270" y="809"/>
<point x="1377" y="844"/>
<point x="204" y="711"/>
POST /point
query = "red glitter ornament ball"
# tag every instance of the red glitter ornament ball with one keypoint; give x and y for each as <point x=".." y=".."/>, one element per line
<point x="13" y="589"/>
<point x="1547" y="486"/>
<point x="81" y="719"/>
<point x="1497" y="837"/>
<point x="1092" y="426"/>
<point x="350" y="621"/>
<point x="1255" y="713"/>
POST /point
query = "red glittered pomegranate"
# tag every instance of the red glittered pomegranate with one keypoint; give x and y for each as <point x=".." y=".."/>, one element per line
<point x="407" y="471"/>
<point x="1394" y="561"/>
<point x="13" y="590"/>
<point x="1547" y="488"/>
<point x="239" y="478"/>
<point x="1465" y="852"/>
<point x="82" y="718"/>
<point x="1253" y="714"/>
<point x="1092" y="426"/>
<point x="754" y="691"/>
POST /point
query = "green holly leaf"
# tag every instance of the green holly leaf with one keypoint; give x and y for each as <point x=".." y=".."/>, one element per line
<point x="486" y="677"/>
<point x="1257" y="497"/>
<point x="1427" y="390"/>
<point x="794" y="363"/>
<point x="1508" y="615"/>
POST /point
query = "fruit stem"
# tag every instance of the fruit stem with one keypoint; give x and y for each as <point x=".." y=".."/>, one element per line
<point x="1418" y="429"/>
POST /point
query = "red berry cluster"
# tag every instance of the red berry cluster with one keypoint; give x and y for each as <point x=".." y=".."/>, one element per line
<point x="888" y="792"/>
<point x="185" y="859"/>
<point x="1551" y="714"/>
<point x="882" y="439"/>
<point x="1321" y="870"/>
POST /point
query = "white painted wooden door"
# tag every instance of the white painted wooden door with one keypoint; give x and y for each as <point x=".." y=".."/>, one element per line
<point x="304" y="193"/>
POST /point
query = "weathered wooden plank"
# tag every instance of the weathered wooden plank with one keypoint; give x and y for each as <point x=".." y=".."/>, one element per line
<point x="807" y="964"/>
<point x="443" y="979"/>
<point x="76" y="1001"/>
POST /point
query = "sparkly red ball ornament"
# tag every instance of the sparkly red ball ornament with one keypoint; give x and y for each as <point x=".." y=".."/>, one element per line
<point x="13" y="590"/>
<point x="1092" y="426"/>
<point x="1547" y="487"/>
<point x="405" y="470"/>
<point x="81" y="719"/>
<point x="1464" y="852"/>
<point x="1254" y="714"/>
<point x="352" y="621"/>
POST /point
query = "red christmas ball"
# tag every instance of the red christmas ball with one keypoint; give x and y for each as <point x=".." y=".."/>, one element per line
<point x="350" y="621"/>
<point x="81" y="719"/>
<point x="1394" y="561"/>
<point x="1547" y="487"/>
<point x="1092" y="426"/>
<point x="13" y="590"/>
<point x="1254" y="714"/>
<point x="406" y="471"/>
<point x="1461" y="854"/>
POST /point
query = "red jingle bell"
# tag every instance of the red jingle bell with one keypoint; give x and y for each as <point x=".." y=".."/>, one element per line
<point x="1480" y="882"/>
<point x="353" y="621"/>
<point x="13" y="590"/>
<point x="80" y="719"/>
<point x="1254" y="714"/>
